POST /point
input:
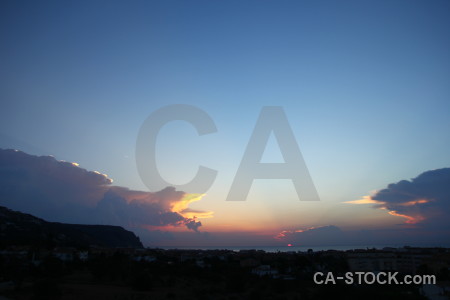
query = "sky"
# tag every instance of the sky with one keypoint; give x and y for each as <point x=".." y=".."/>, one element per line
<point x="364" y="85"/>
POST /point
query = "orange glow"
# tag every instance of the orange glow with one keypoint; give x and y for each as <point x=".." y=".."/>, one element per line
<point x="369" y="200"/>
<point x="241" y="227"/>
<point x="414" y="202"/>
<point x="197" y="214"/>
<point x="282" y="234"/>
<point x="182" y="207"/>
<point x="185" y="201"/>
<point x="382" y="205"/>
<point x="364" y="200"/>
<point x="409" y="219"/>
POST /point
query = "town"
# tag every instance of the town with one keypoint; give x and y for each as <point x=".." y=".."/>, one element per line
<point x="31" y="272"/>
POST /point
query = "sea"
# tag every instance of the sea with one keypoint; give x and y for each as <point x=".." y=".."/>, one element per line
<point x="298" y="248"/>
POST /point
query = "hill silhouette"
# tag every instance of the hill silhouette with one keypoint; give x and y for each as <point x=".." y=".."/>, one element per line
<point x="18" y="228"/>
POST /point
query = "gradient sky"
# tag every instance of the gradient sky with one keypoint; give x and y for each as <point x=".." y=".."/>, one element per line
<point x="365" y="86"/>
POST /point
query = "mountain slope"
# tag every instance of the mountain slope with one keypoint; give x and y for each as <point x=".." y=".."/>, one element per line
<point x="18" y="228"/>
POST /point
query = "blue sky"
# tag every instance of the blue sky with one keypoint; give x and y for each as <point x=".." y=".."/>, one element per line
<point x="365" y="86"/>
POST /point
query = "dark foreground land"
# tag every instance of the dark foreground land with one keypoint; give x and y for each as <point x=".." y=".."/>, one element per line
<point x="30" y="272"/>
<point x="45" y="260"/>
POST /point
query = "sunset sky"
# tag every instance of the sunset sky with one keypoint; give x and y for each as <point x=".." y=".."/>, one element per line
<point x="365" y="86"/>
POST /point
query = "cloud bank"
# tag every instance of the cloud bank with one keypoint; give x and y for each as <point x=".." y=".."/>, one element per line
<point x="423" y="203"/>
<point x="64" y="192"/>
<point x="424" y="200"/>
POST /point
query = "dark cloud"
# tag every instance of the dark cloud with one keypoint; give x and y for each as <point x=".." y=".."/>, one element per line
<point x="424" y="200"/>
<point x="62" y="191"/>
<point x="423" y="203"/>
<point x="194" y="225"/>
